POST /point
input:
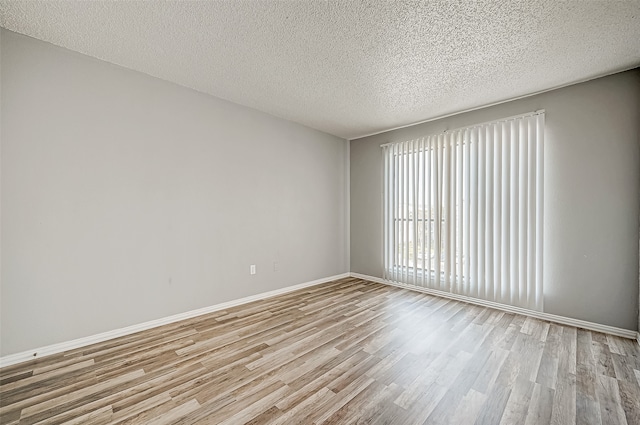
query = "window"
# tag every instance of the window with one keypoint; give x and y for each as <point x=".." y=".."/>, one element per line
<point x="463" y="211"/>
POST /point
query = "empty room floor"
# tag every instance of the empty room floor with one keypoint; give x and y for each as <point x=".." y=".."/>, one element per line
<point x="350" y="351"/>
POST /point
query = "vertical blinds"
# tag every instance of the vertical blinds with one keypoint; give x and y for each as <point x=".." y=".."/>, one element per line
<point x="463" y="211"/>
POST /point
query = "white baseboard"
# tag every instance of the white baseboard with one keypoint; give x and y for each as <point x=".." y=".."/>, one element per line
<point x="612" y="330"/>
<point x="92" y="339"/>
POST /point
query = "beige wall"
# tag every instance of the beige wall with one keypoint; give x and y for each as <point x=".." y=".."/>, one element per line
<point x="592" y="186"/>
<point x="126" y="198"/>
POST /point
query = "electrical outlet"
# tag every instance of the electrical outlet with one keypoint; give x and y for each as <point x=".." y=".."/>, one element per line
<point x="252" y="269"/>
<point x="275" y="266"/>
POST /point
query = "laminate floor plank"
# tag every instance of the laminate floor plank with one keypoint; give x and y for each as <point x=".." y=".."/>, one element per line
<point x="540" y="406"/>
<point x="344" y="352"/>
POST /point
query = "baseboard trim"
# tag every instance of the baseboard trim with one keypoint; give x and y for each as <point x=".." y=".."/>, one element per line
<point x="105" y="336"/>
<point x="612" y="330"/>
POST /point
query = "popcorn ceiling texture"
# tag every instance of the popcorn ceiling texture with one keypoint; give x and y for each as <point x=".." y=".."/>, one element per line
<point x="348" y="68"/>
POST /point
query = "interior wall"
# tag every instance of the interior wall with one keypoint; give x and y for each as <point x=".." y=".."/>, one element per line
<point x="126" y="198"/>
<point x="592" y="182"/>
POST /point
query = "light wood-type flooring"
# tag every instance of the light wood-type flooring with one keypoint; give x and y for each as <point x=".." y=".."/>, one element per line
<point x="349" y="351"/>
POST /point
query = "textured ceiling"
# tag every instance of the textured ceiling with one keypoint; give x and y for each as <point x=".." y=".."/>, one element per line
<point x="348" y="68"/>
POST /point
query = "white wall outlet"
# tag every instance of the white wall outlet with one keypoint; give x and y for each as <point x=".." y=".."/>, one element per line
<point x="252" y="269"/>
<point x="275" y="266"/>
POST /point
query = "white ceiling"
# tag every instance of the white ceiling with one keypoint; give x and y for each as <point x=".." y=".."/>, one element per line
<point x="348" y="68"/>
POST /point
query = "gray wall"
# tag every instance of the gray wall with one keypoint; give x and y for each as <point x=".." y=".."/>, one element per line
<point x="126" y="198"/>
<point x="592" y="176"/>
